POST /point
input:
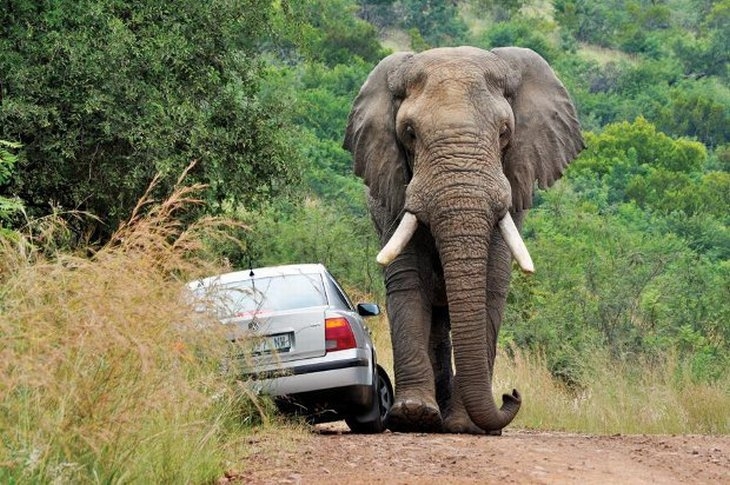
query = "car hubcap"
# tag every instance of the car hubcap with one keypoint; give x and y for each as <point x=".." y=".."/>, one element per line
<point x="385" y="398"/>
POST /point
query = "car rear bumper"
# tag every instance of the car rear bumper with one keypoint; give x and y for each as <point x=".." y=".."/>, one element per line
<point x="329" y="404"/>
<point x="337" y="370"/>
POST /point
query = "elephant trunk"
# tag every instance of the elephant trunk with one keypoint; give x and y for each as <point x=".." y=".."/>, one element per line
<point x="463" y="239"/>
<point x="462" y="215"/>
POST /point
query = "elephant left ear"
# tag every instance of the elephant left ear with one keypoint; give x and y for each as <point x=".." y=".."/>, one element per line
<point x="547" y="135"/>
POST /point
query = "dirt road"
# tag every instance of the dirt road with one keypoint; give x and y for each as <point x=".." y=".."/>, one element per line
<point x="329" y="454"/>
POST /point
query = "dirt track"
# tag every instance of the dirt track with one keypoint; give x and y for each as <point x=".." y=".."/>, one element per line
<point x="330" y="454"/>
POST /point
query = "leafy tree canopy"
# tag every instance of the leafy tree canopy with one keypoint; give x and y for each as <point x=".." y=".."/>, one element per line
<point x="104" y="94"/>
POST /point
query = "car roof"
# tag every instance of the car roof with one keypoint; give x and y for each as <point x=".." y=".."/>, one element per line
<point x="264" y="272"/>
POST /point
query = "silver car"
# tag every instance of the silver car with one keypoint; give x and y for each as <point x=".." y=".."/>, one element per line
<point x="304" y="342"/>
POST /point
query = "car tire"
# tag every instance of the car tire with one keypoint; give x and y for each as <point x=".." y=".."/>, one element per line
<point x="383" y="392"/>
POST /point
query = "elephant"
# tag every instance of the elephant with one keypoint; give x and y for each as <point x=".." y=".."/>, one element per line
<point x="450" y="143"/>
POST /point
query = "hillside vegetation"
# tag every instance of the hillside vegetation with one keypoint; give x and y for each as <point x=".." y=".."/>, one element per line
<point x="103" y="377"/>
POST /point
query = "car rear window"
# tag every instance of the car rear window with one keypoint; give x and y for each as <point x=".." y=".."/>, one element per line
<point x="257" y="295"/>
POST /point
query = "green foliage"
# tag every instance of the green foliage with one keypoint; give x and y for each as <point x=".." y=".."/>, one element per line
<point x="704" y="52"/>
<point x="500" y="9"/>
<point x="588" y="21"/>
<point x="324" y="96"/>
<point x="623" y="158"/>
<point x="7" y="160"/>
<point x="438" y="22"/>
<point x="327" y="31"/>
<point x="616" y="281"/>
<point x="8" y="206"/>
<point x="634" y="245"/>
<point x="104" y="94"/>
<point x="676" y="76"/>
<point x="700" y="109"/>
<point x="633" y="26"/>
<point x="634" y="163"/>
<point x="316" y="232"/>
<point x="521" y="32"/>
<point x="430" y="23"/>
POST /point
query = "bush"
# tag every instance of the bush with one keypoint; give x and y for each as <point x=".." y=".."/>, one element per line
<point x="613" y="277"/>
<point x="316" y="232"/>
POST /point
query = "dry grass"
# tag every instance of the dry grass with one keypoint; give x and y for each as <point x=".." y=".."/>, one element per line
<point x="604" y="55"/>
<point x="618" y="399"/>
<point x="105" y="374"/>
<point x="379" y="329"/>
<point x="395" y="40"/>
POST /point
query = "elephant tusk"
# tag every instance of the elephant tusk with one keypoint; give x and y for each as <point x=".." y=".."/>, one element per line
<point x="516" y="245"/>
<point x="398" y="240"/>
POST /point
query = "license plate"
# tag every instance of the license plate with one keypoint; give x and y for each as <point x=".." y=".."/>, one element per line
<point x="273" y="343"/>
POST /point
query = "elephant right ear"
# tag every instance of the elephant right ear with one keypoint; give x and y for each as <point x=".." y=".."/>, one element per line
<point x="371" y="136"/>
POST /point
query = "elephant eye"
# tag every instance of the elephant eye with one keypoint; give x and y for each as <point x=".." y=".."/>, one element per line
<point x="410" y="133"/>
<point x="504" y="135"/>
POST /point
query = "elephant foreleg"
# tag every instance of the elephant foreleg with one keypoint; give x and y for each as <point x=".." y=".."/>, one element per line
<point x="409" y="311"/>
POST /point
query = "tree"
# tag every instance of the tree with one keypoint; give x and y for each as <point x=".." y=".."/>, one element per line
<point x="521" y="32"/>
<point x="328" y="31"/>
<point x="704" y="52"/>
<point x="699" y="108"/>
<point x="438" y="22"/>
<point x="104" y="94"/>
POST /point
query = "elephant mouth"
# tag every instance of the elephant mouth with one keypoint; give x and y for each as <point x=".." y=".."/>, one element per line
<point x="409" y="224"/>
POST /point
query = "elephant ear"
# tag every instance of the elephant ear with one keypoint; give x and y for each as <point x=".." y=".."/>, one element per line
<point x="547" y="134"/>
<point x="371" y="136"/>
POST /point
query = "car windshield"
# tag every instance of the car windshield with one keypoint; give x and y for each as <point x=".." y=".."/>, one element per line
<point x="261" y="295"/>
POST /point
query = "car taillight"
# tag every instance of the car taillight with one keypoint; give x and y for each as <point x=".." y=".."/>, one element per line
<point x="338" y="334"/>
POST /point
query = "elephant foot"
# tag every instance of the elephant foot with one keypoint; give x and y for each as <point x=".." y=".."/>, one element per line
<point x="412" y="416"/>
<point x="460" y="423"/>
<point x="461" y="426"/>
<point x="467" y="427"/>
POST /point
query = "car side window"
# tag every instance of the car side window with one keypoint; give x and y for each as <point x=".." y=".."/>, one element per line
<point x="338" y="297"/>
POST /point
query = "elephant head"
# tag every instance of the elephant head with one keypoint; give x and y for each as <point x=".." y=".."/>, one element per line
<point x="452" y="140"/>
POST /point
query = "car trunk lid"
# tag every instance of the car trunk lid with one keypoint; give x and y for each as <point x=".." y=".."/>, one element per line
<point x="271" y="337"/>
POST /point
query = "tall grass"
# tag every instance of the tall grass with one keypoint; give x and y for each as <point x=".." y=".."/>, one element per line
<point x="378" y="327"/>
<point x="105" y="374"/>
<point x="654" y="398"/>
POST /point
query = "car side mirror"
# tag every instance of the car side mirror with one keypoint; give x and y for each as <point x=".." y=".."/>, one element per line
<point x="368" y="309"/>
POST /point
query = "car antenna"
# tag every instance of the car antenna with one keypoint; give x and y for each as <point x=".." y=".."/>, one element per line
<point x="250" y="266"/>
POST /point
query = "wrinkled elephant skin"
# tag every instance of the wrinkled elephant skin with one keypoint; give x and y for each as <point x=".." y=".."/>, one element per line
<point x="450" y="143"/>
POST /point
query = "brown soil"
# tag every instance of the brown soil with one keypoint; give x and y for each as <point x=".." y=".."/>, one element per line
<point x="329" y="454"/>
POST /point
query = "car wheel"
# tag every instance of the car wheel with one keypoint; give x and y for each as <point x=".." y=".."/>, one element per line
<point x="383" y="390"/>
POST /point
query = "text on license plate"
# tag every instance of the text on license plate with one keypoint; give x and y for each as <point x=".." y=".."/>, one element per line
<point x="273" y="343"/>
